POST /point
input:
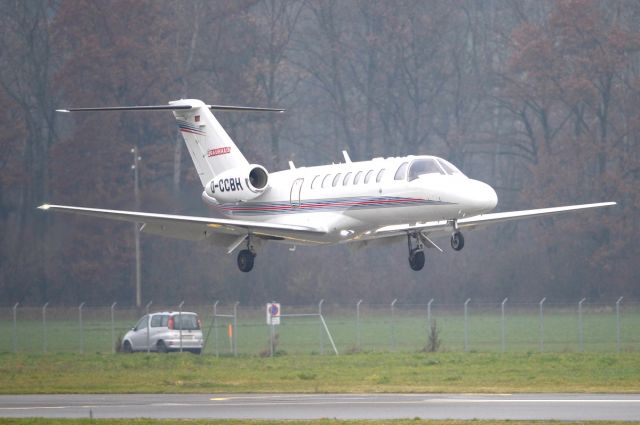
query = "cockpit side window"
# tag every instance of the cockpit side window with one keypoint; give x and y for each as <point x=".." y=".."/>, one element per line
<point x="420" y="167"/>
<point x="402" y="171"/>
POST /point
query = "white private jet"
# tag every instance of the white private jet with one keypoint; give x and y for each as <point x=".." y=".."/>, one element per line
<point x="415" y="198"/>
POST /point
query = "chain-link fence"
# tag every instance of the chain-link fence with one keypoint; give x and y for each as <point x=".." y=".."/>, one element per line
<point x="323" y="328"/>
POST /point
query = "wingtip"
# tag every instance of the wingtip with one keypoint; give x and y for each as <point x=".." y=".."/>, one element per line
<point x="63" y="110"/>
<point x="44" y="207"/>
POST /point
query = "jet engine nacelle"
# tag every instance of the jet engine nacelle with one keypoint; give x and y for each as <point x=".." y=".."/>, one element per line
<point x="238" y="184"/>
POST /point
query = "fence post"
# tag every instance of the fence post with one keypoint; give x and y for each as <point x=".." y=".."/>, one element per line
<point x="618" y="324"/>
<point x="80" y="307"/>
<point x="580" y="329"/>
<point x="429" y="315"/>
<point x="180" y="316"/>
<point x="15" y="327"/>
<point x="466" y="327"/>
<point x="504" y="343"/>
<point x="44" y="327"/>
<point x="358" y="324"/>
<point x="321" y="328"/>
<point x="113" y="328"/>
<point x="235" y="328"/>
<point x="215" y="327"/>
<point x="542" y="324"/>
<point x="146" y="309"/>
<point x="393" y="329"/>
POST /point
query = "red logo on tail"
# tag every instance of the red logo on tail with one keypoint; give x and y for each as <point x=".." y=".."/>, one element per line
<point x="218" y="151"/>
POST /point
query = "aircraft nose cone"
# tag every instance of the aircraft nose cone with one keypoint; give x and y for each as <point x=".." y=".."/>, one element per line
<point x="484" y="197"/>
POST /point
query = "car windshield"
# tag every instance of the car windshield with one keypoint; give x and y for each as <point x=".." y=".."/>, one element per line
<point x="424" y="166"/>
<point x="189" y="322"/>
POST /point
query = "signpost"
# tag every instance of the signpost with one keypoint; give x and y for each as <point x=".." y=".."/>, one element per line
<point x="273" y="319"/>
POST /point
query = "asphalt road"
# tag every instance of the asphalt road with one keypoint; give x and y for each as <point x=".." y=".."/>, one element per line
<point x="575" y="407"/>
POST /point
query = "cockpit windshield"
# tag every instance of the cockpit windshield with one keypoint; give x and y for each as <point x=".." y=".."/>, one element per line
<point x="449" y="167"/>
<point x="420" y="167"/>
<point x="424" y="166"/>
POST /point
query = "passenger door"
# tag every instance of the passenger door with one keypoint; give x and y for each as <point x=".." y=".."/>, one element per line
<point x="296" y="191"/>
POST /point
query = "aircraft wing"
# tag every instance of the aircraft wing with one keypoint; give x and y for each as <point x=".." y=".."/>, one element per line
<point x="192" y="227"/>
<point x="480" y="220"/>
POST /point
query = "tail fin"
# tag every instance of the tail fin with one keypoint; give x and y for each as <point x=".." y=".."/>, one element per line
<point x="210" y="147"/>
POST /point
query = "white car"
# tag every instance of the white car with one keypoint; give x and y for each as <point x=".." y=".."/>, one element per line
<point x="165" y="331"/>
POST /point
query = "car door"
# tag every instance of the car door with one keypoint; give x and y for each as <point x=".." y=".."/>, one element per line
<point x="139" y="337"/>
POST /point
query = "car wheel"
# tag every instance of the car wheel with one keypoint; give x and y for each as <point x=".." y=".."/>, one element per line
<point x="162" y="347"/>
<point x="126" y="347"/>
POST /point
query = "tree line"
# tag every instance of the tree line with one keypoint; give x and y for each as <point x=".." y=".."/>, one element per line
<point x="540" y="99"/>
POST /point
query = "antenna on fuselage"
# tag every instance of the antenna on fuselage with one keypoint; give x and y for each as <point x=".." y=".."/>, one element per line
<point x="346" y="157"/>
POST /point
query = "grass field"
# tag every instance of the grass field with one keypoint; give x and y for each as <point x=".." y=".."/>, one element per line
<point x="354" y="373"/>
<point x="377" y="331"/>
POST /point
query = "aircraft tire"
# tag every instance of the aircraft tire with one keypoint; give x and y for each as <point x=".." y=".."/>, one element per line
<point x="457" y="241"/>
<point x="416" y="260"/>
<point x="245" y="260"/>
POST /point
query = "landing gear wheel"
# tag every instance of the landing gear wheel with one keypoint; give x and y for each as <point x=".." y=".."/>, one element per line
<point x="457" y="241"/>
<point x="416" y="260"/>
<point x="245" y="260"/>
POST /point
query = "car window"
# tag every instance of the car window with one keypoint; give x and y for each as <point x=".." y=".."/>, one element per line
<point x="189" y="322"/>
<point x="159" y="320"/>
<point x="142" y="323"/>
<point x="156" y="320"/>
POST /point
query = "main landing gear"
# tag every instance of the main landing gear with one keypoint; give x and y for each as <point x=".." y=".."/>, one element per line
<point x="245" y="260"/>
<point x="457" y="241"/>
<point x="416" y="241"/>
<point x="246" y="257"/>
<point x="416" y="253"/>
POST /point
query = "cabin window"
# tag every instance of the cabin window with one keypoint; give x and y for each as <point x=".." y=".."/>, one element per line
<point x="346" y="178"/>
<point x="336" y="179"/>
<point x="356" y="179"/>
<point x="402" y="171"/>
<point x="424" y="166"/>
<point x="379" y="176"/>
<point x="325" y="180"/>
<point x="368" y="176"/>
<point x="315" y="180"/>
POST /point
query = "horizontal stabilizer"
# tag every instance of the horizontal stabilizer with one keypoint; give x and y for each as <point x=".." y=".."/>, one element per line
<point x="172" y="108"/>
